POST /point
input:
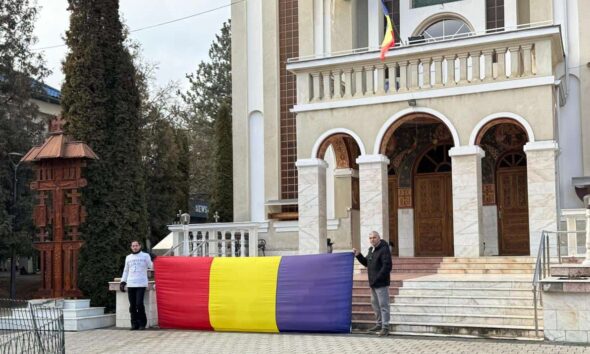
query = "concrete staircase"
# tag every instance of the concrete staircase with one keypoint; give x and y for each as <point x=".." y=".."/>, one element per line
<point x="483" y="297"/>
<point x="79" y="316"/>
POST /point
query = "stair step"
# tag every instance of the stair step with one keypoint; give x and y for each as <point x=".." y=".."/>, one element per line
<point x="367" y="290"/>
<point x="466" y="283"/>
<point x="489" y="260"/>
<point x="486" y="271"/>
<point x="505" y="292"/>
<point x="474" y="319"/>
<point x="83" y="312"/>
<point x="366" y="299"/>
<point x="487" y="266"/>
<point x="464" y="300"/>
<point x="89" y="322"/>
<point x="467" y="309"/>
<point x="457" y="329"/>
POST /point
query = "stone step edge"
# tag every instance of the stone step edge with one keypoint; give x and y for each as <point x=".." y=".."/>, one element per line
<point x="462" y="306"/>
<point x="461" y="289"/>
<point x="466" y="336"/>
<point x="418" y="314"/>
<point x="441" y="324"/>
<point x="466" y="297"/>
<point x="90" y="317"/>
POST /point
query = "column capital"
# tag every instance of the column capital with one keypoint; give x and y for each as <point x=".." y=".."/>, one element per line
<point x="311" y="163"/>
<point x="315" y="74"/>
<point x="527" y="46"/>
<point x="462" y="55"/>
<point x="467" y="151"/>
<point x="541" y="145"/>
<point x="487" y="51"/>
<point x="437" y="58"/>
<point x="514" y="48"/>
<point x="368" y="159"/>
<point x="346" y="172"/>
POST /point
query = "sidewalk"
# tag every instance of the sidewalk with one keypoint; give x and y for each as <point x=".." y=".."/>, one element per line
<point x="177" y="342"/>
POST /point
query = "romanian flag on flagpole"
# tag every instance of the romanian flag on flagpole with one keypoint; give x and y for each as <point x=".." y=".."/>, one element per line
<point x="389" y="38"/>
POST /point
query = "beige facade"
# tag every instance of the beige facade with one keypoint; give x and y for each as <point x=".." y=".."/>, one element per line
<point x="349" y="97"/>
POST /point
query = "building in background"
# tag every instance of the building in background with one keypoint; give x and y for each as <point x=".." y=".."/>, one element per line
<point x="462" y="142"/>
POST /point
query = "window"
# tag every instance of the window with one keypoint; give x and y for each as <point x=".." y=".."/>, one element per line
<point x="494" y="15"/>
<point x="393" y="7"/>
<point x="446" y="29"/>
<point x="422" y="3"/>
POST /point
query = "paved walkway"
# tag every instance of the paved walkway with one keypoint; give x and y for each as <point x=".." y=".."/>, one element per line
<point x="177" y="342"/>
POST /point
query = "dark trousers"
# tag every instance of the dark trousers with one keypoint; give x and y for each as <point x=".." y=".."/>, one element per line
<point x="136" y="307"/>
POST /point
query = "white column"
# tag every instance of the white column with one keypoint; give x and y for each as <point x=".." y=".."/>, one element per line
<point x="542" y="190"/>
<point x="587" y="260"/>
<point x="467" y="201"/>
<point x="312" y="205"/>
<point x="376" y="29"/>
<point x="373" y="197"/>
<point x="318" y="27"/>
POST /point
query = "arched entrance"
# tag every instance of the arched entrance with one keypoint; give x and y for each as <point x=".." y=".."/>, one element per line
<point x="419" y="181"/>
<point x="504" y="187"/>
<point x="433" y="198"/>
<point x="340" y="151"/>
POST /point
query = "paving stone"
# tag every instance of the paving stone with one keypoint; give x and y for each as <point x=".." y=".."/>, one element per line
<point x="178" y="342"/>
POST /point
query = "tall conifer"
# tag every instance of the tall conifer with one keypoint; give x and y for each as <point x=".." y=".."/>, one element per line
<point x="222" y="196"/>
<point x="101" y="103"/>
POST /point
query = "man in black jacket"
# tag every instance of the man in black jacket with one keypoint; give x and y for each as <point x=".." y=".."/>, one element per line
<point x="378" y="263"/>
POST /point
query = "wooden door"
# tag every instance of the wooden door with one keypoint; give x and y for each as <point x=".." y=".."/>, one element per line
<point x="392" y="190"/>
<point x="513" y="211"/>
<point x="433" y="223"/>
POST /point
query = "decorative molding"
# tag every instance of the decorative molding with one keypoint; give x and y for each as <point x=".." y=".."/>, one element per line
<point x="467" y="151"/>
<point x="489" y="194"/>
<point x="491" y="117"/>
<point x="376" y="158"/>
<point x="405" y="112"/>
<point x="541" y="145"/>
<point x="311" y="163"/>
<point x="404" y="198"/>
<point x="327" y="134"/>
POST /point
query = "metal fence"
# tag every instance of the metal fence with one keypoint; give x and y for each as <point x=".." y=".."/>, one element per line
<point x="27" y="327"/>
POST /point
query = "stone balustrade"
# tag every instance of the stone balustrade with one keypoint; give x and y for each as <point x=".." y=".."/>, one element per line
<point x="462" y="62"/>
<point x="215" y="240"/>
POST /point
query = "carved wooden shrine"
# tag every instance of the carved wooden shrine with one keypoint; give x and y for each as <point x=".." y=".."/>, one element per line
<point x="58" y="214"/>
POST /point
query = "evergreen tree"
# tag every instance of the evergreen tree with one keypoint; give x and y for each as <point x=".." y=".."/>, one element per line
<point x="21" y="71"/>
<point x="101" y="105"/>
<point x="222" y="196"/>
<point x="210" y="87"/>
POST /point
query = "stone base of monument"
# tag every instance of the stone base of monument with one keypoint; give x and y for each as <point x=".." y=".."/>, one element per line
<point x="149" y="301"/>
<point x="79" y="316"/>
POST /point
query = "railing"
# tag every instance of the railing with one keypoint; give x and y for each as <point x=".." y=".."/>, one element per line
<point x="31" y="328"/>
<point x="215" y="240"/>
<point x="543" y="265"/>
<point x="433" y="66"/>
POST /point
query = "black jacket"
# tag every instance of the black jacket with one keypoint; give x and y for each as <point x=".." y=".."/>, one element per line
<point x="378" y="263"/>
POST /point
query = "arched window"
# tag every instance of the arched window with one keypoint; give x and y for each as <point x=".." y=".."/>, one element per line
<point x="446" y="29"/>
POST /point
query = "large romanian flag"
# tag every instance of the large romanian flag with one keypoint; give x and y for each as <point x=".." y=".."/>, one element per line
<point x="389" y="37"/>
<point x="311" y="293"/>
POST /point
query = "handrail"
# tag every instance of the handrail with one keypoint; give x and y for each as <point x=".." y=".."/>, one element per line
<point x="542" y="266"/>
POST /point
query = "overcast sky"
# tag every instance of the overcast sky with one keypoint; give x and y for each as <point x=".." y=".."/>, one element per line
<point x="177" y="47"/>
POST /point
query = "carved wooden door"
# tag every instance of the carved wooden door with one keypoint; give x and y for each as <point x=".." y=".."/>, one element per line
<point x="512" y="200"/>
<point x="392" y="186"/>
<point x="433" y="215"/>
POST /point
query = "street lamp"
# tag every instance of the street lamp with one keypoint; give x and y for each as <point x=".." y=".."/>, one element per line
<point x="13" y="253"/>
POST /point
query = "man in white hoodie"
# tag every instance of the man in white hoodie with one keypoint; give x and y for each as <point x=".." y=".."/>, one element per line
<point x="135" y="277"/>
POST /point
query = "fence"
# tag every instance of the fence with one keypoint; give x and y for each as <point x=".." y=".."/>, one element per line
<point x="31" y="328"/>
